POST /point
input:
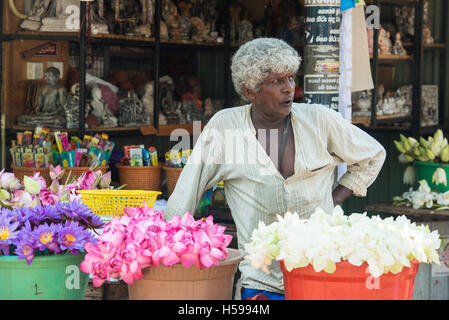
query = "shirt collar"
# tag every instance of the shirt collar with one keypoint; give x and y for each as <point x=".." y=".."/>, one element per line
<point x="250" y="124"/>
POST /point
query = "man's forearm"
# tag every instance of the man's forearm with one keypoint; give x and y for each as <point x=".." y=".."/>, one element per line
<point x="340" y="194"/>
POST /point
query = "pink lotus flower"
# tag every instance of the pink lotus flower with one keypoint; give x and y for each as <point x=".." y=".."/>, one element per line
<point x="56" y="173"/>
<point x="48" y="197"/>
<point x="22" y="198"/>
<point x="9" y="182"/>
<point x="142" y="238"/>
<point x="87" y="180"/>
<point x="105" y="180"/>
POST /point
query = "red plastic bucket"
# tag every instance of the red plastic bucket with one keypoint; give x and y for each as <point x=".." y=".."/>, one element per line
<point x="348" y="282"/>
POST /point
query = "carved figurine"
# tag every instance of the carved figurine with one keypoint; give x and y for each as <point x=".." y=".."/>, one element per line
<point x="185" y="26"/>
<point x="147" y="18"/>
<point x="127" y="14"/>
<point x="100" y="109"/>
<point x="385" y="45"/>
<point x="364" y="102"/>
<point x="131" y="110"/>
<point x="191" y="111"/>
<point x="200" y="30"/>
<point x="245" y="31"/>
<point x="398" y="48"/>
<point x="34" y="20"/>
<point x="427" y="37"/>
<point x="171" y="18"/>
<point x="170" y="107"/>
<point x="62" y="16"/>
<point x="71" y="108"/>
<point x="98" y="24"/>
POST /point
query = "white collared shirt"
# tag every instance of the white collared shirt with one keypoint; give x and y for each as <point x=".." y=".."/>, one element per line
<point x="228" y="150"/>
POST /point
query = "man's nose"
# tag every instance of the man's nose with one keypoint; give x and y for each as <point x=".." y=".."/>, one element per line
<point x="288" y="85"/>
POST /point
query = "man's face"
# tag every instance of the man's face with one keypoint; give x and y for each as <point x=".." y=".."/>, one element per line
<point x="276" y="94"/>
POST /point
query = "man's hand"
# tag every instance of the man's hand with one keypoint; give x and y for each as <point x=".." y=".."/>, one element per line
<point x="340" y="194"/>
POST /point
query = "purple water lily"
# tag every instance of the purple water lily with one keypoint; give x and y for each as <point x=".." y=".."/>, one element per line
<point x="8" y="232"/>
<point x="58" y="228"/>
<point x="25" y="244"/>
<point x="78" y="211"/>
<point x="71" y="236"/>
<point x="44" y="237"/>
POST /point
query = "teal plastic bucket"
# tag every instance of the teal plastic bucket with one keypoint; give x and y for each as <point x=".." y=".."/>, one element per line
<point x="425" y="170"/>
<point x="56" y="277"/>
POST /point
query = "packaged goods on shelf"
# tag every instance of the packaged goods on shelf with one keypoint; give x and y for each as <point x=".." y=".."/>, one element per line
<point x="138" y="156"/>
<point x="43" y="148"/>
<point x="177" y="159"/>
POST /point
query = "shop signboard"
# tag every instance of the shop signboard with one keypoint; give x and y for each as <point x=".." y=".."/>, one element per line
<point x="322" y="52"/>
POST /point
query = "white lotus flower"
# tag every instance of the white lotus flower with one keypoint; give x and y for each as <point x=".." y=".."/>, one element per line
<point x="423" y="186"/>
<point x="386" y="245"/>
<point x="443" y="198"/>
<point x="409" y="176"/>
<point x="439" y="177"/>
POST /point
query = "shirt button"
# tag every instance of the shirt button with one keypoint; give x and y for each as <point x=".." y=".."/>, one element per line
<point x="286" y="182"/>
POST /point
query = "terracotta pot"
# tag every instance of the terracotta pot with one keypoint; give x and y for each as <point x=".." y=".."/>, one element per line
<point x="181" y="283"/>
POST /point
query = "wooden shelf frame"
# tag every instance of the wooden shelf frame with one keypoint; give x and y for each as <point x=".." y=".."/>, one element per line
<point x="415" y="55"/>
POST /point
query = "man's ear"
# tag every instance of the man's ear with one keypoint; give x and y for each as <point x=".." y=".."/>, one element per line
<point x="248" y="93"/>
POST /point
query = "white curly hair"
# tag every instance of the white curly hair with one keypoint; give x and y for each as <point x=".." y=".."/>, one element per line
<point x="257" y="59"/>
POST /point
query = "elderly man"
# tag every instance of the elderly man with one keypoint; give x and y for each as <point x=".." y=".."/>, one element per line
<point x="274" y="155"/>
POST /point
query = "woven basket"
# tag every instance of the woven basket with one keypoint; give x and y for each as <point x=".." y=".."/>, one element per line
<point x="172" y="175"/>
<point x="112" y="202"/>
<point x="78" y="171"/>
<point x="20" y="172"/>
<point x="140" y="178"/>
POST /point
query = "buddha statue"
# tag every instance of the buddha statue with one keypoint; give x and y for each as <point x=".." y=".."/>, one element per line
<point x="51" y="98"/>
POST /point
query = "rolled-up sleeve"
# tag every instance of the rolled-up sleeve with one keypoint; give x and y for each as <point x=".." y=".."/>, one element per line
<point x="363" y="154"/>
<point x="202" y="171"/>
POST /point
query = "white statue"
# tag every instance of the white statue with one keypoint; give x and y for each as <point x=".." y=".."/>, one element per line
<point x="148" y="101"/>
<point x="100" y="110"/>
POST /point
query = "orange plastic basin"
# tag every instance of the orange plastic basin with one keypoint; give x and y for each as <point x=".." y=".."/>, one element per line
<point x="348" y="282"/>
